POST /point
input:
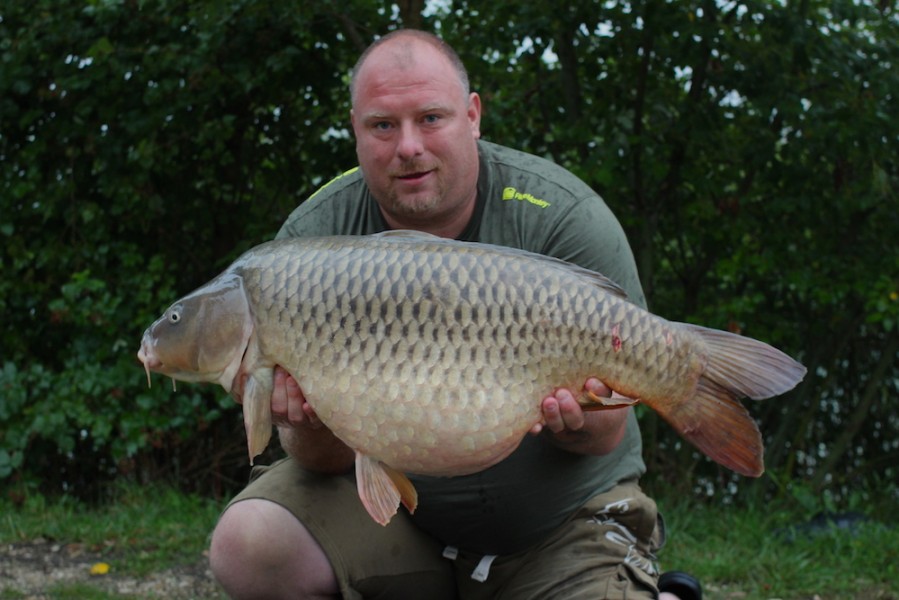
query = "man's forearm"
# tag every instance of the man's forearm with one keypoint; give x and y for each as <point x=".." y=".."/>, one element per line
<point x="603" y="430"/>
<point x="316" y="449"/>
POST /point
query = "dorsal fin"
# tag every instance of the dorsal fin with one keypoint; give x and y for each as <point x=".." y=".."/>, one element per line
<point x="598" y="279"/>
<point x="409" y="234"/>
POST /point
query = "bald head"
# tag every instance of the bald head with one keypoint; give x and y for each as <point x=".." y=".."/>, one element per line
<point x="403" y="47"/>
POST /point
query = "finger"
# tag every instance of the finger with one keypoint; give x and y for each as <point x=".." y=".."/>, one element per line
<point x="552" y="415"/>
<point x="295" y="395"/>
<point x="597" y="388"/>
<point x="279" y="394"/>
<point x="570" y="410"/>
<point x="298" y="410"/>
<point x="311" y="417"/>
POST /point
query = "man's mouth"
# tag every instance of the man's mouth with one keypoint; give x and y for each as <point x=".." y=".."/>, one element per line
<point x="413" y="176"/>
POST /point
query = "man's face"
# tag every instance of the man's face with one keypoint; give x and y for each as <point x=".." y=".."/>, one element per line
<point x="416" y="133"/>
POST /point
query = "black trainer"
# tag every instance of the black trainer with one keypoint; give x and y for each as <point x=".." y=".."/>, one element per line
<point x="683" y="585"/>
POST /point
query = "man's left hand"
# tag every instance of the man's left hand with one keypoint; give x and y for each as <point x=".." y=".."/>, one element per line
<point x="562" y="412"/>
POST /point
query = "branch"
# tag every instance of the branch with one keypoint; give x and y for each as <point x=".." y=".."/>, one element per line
<point x="410" y="13"/>
<point x="793" y="424"/>
<point x="352" y="31"/>
<point x="694" y="98"/>
<point x="859" y="413"/>
<point x="571" y="89"/>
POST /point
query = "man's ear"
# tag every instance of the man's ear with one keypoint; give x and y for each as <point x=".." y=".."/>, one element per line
<point x="474" y="114"/>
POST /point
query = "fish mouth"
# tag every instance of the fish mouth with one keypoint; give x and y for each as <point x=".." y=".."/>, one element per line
<point x="148" y="358"/>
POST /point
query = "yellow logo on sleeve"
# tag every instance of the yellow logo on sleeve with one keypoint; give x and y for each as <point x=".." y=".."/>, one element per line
<point x="511" y="193"/>
<point x="341" y="176"/>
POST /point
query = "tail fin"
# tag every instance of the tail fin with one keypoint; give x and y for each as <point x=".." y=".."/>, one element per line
<point x="714" y="420"/>
<point x="749" y="367"/>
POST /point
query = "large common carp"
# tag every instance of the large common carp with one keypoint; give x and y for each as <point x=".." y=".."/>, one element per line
<point x="432" y="356"/>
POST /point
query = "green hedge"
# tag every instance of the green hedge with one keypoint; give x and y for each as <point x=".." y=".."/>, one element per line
<point x="749" y="149"/>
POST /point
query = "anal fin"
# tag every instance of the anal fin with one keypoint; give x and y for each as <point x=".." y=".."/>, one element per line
<point x="382" y="488"/>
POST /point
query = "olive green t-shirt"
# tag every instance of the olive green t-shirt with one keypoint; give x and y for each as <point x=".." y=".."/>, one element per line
<point x="523" y="202"/>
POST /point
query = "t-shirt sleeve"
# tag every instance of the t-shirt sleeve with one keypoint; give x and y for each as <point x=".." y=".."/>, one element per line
<point x="589" y="235"/>
<point x="343" y="206"/>
<point x="537" y="205"/>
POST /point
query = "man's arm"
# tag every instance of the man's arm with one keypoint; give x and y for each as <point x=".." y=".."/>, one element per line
<point x="570" y="428"/>
<point x="303" y="436"/>
<point x="591" y="236"/>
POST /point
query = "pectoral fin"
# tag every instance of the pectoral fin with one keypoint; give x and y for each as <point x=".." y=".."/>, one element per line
<point x="590" y="401"/>
<point x="382" y="488"/>
<point x="257" y="411"/>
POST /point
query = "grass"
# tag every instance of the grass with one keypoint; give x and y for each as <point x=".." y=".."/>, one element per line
<point x="736" y="552"/>
<point x="141" y="530"/>
<point x="749" y="554"/>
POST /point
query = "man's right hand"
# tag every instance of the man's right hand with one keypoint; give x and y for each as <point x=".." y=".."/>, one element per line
<point x="289" y="406"/>
<point x="303" y="436"/>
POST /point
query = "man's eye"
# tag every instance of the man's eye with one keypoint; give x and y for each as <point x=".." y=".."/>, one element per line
<point x="381" y="126"/>
<point x="431" y="118"/>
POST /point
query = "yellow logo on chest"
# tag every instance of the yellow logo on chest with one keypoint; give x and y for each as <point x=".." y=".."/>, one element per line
<point x="511" y="193"/>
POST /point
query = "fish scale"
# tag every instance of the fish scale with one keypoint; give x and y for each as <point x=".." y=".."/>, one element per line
<point x="432" y="356"/>
<point x="463" y="321"/>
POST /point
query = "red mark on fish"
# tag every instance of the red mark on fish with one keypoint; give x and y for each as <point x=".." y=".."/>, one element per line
<point x="616" y="338"/>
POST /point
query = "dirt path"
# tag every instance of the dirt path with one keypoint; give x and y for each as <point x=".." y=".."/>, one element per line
<point x="39" y="569"/>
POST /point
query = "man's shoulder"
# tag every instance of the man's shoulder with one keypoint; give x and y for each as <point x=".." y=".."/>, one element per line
<point x="513" y="165"/>
<point x="537" y="191"/>
<point x="338" y="207"/>
<point x="348" y="184"/>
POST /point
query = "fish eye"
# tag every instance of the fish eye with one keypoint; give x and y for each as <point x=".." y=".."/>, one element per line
<point x="175" y="315"/>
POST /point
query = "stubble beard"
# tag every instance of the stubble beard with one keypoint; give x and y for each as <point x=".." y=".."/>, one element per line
<point x="413" y="208"/>
<point x="417" y="206"/>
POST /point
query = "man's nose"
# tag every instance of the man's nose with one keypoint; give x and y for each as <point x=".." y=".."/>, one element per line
<point x="410" y="142"/>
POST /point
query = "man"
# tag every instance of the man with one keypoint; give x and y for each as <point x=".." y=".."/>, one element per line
<point x="563" y="516"/>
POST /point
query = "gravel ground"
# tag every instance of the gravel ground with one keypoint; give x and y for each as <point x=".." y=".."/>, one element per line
<point x="38" y="569"/>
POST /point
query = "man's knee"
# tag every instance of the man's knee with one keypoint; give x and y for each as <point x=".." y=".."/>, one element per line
<point x="258" y="543"/>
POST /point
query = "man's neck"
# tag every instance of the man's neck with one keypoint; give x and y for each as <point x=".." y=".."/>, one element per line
<point x="450" y="227"/>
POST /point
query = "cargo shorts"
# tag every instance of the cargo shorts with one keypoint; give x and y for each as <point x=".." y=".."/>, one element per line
<point x="605" y="550"/>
